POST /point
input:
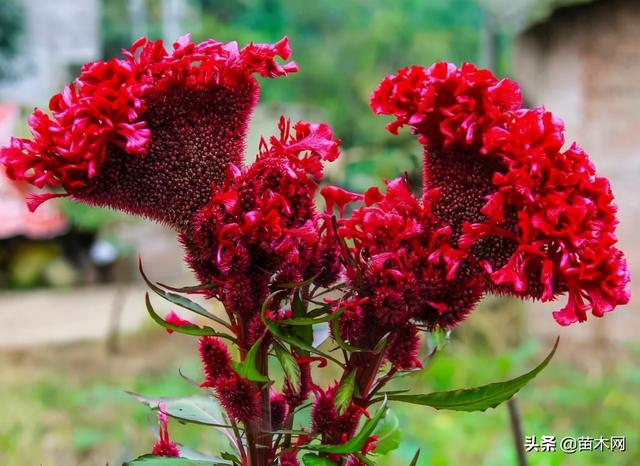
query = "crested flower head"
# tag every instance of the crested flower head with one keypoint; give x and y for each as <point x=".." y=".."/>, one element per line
<point x="403" y="270"/>
<point x="261" y="229"/>
<point x="150" y="132"/>
<point x="535" y="217"/>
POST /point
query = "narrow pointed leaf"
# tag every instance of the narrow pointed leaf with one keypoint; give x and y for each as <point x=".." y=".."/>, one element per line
<point x="478" y="398"/>
<point x="193" y="289"/>
<point x="344" y="394"/>
<point x="288" y="338"/>
<point x="247" y="369"/>
<point x="292" y="285"/>
<point x="230" y="457"/>
<point x="179" y="300"/>
<point x="289" y="365"/>
<point x="186" y="329"/>
<point x="310" y="320"/>
<point x="311" y="459"/>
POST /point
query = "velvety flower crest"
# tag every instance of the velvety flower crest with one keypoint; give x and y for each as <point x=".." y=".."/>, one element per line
<point x="149" y="132"/>
<point x="535" y="217"/>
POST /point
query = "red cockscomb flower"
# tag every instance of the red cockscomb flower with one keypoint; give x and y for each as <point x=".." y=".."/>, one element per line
<point x="403" y="270"/>
<point x="261" y="229"/>
<point x="148" y="133"/>
<point x="537" y="219"/>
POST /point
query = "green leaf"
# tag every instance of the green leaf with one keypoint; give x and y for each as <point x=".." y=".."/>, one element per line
<point x="310" y="320"/>
<point x="358" y="441"/>
<point x="196" y="409"/>
<point x="179" y="300"/>
<point x="414" y="461"/>
<point x="297" y="305"/>
<point x="365" y="460"/>
<point x="186" y="329"/>
<point x="311" y="459"/>
<point x="439" y="338"/>
<point x="288" y="338"/>
<point x="289" y="365"/>
<point x="247" y="369"/>
<point x="382" y="344"/>
<point x="478" y="398"/>
<point x="231" y="457"/>
<point x="152" y="460"/>
<point x="389" y="434"/>
<point x="344" y="394"/>
<point x="193" y="289"/>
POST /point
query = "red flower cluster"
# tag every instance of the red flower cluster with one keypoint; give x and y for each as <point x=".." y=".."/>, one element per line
<point x="237" y="395"/>
<point x="260" y="228"/>
<point x="403" y="271"/>
<point x="334" y="427"/>
<point x="536" y="218"/>
<point x="130" y="132"/>
<point x="504" y="209"/>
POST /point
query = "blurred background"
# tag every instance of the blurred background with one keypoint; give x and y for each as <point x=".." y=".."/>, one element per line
<point x="73" y="330"/>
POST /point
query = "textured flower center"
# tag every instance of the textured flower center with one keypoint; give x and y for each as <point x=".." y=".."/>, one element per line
<point x="196" y="134"/>
<point x="464" y="180"/>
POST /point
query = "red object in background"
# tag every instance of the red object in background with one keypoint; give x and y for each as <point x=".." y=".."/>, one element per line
<point x="15" y="218"/>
